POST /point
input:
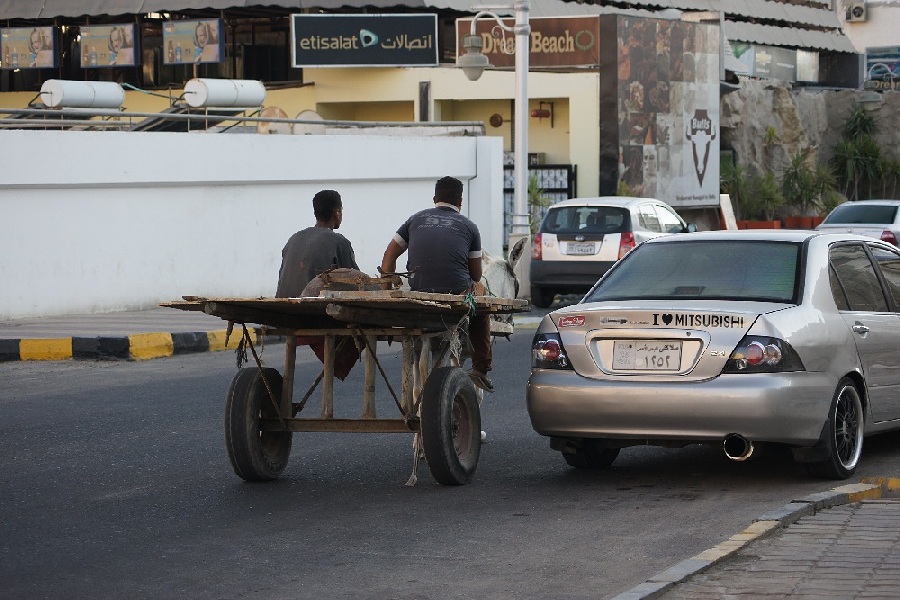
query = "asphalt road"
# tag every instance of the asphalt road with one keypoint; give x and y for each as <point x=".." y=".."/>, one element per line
<point x="114" y="483"/>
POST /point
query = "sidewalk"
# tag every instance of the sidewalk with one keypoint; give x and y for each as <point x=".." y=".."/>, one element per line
<point x="844" y="543"/>
<point x="137" y="335"/>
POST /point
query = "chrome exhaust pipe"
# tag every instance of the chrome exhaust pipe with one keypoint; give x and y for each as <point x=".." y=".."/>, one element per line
<point x="737" y="447"/>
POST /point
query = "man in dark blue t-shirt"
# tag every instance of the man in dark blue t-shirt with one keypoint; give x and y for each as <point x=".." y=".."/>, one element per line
<point x="445" y="257"/>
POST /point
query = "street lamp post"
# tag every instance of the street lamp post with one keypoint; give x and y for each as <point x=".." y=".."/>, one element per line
<point x="473" y="63"/>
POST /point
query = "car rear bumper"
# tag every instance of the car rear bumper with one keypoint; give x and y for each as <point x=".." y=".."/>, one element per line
<point x="788" y="408"/>
<point x="584" y="274"/>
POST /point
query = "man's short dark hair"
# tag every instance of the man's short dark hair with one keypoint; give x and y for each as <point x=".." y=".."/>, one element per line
<point x="325" y="204"/>
<point x="448" y="189"/>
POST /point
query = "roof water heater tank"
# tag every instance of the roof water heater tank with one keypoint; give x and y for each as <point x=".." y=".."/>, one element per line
<point x="224" y="93"/>
<point x="59" y="93"/>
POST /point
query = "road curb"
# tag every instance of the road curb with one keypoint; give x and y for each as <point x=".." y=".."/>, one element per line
<point x="144" y="346"/>
<point x="870" y="488"/>
<point x="139" y="346"/>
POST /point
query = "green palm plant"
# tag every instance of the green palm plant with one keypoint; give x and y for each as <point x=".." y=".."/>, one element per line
<point x="856" y="163"/>
<point x="733" y="182"/>
<point x="537" y="201"/>
<point x="798" y="183"/>
<point x="768" y="195"/>
<point x="827" y="196"/>
<point x="859" y="123"/>
<point x="890" y="175"/>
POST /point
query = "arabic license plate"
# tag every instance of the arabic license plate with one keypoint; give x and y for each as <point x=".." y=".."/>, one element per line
<point x="580" y="248"/>
<point x="646" y="355"/>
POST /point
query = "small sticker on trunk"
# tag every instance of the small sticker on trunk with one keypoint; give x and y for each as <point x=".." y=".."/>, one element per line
<point x="573" y="321"/>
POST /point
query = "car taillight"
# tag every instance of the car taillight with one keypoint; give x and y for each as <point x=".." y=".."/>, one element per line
<point x="756" y="354"/>
<point x="536" y="247"/>
<point x="547" y="352"/>
<point x="626" y="244"/>
<point x="888" y="236"/>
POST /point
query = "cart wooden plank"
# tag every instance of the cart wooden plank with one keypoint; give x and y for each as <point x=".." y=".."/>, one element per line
<point x="379" y="308"/>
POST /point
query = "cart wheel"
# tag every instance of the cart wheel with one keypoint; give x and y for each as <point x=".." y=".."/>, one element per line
<point x="451" y="426"/>
<point x="255" y="455"/>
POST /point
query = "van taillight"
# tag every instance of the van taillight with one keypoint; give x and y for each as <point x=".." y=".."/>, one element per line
<point x="888" y="236"/>
<point x="626" y="244"/>
<point x="536" y="247"/>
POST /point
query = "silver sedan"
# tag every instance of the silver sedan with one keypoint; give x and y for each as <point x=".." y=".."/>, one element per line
<point x="727" y="338"/>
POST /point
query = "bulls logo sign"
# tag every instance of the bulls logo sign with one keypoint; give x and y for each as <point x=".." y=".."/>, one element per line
<point x="700" y="132"/>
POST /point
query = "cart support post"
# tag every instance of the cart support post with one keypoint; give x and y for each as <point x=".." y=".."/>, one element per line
<point x="369" y="385"/>
<point x="409" y="366"/>
<point x="328" y="380"/>
<point x="286" y="409"/>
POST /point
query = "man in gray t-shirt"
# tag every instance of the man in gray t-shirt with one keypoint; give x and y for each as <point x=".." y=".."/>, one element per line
<point x="315" y="249"/>
<point x="311" y="252"/>
<point x="445" y="257"/>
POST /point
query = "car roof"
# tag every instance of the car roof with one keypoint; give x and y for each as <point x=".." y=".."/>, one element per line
<point x="877" y="202"/>
<point x="771" y="235"/>
<point x="621" y="201"/>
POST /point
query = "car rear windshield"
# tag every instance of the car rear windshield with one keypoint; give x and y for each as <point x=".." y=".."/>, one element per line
<point x="850" y="213"/>
<point x="586" y="219"/>
<point x="705" y="269"/>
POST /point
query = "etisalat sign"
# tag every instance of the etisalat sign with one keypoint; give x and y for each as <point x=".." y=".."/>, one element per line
<point x="364" y="40"/>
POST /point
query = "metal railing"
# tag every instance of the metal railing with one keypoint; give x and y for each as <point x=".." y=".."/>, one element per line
<point x="210" y="119"/>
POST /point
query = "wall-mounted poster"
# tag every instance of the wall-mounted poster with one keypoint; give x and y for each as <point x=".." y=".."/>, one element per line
<point x="192" y="42"/>
<point x="660" y="80"/>
<point x="107" y="46"/>
<point x="883" y="67"/>
<point x="27" y="48"/>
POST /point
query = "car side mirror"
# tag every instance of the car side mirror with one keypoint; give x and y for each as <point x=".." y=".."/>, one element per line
<point x="689" y="228"/>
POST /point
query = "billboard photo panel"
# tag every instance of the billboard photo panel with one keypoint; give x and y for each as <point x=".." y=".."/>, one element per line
<point x="27" y="47"/>
<point x="193" y="42"/>
<point x="108" y="46"/>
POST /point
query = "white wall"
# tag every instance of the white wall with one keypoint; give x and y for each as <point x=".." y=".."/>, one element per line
<point x="106" y="221"/>
<point x="880" y="29"/>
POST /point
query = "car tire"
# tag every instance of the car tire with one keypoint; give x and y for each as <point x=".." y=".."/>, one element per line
<point x="542" y="298"/>
<point x="589" y="454"/>
<point x="845" y="434"/>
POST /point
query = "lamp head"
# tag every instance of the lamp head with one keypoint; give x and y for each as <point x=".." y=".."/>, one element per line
<point x="473" y="62"/>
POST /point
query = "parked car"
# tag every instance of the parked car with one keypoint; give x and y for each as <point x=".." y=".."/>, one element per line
<point x="580" y="239"/>
<point x="731" y="339"/>
<point x="879" y="219"/>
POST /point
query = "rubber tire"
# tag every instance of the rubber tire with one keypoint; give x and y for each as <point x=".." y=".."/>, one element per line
<point x="255" y="455"/>
<point x="541" y="297"/>
<point x="845" y="434"/>
<point x="451" y="426"/>
<point x="590" y="455"/>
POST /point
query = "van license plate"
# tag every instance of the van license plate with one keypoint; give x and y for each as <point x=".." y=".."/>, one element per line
<point x="646" y="355"/>
<point x="580" y="248"/>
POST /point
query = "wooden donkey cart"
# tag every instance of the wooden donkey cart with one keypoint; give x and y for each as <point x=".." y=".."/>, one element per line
<point x="437" y="400"/>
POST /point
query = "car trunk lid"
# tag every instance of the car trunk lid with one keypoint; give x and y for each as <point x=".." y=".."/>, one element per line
<point x="657" y="340"/>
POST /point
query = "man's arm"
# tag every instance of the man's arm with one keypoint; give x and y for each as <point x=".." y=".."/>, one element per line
<point x="475" y="268"/>
<point x="345" y="256"/>
<point x="389" y="261"/>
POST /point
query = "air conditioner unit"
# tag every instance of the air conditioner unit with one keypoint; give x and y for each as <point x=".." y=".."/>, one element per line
<point x="855" y="12"/>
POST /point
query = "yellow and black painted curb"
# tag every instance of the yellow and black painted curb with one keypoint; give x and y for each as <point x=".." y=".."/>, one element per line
<point x="870" y="488"/>
<point x="139" y="346"/>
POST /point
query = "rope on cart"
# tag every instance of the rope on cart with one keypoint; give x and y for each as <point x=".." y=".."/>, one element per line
<point x="454" y="346"/>
<point x="418" y="451"/>
<point x="357" y="332"/>
<point x="298" y="406"/>
<point x="246" y="341"/>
